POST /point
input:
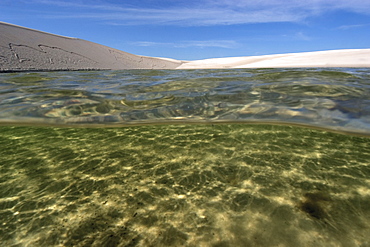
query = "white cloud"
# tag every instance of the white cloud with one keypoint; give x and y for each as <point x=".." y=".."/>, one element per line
<point x="185" y="16"/>
<point x="206" y="12"/>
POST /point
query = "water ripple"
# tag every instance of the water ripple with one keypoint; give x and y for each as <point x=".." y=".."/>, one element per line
<point x="333" y="99"/>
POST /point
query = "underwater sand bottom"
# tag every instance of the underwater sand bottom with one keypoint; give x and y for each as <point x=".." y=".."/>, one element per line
<point x="221" y="185"/>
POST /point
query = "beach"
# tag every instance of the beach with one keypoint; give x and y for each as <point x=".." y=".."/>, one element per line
<point x="24" y="49"/>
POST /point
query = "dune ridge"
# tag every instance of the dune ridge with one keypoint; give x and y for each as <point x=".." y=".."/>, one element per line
<point x="24" y="49"/>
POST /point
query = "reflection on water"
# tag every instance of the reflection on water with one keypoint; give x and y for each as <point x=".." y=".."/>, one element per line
<point x="191" y="185"/>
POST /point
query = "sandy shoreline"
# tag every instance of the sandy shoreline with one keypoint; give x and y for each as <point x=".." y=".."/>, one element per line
<point x="24" y="49"/>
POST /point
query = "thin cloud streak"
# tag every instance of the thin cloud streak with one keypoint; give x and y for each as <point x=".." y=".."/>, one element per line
<point x="346" y="27"/>
<point x="302" y="36"/>
<point x="227" y="44"/>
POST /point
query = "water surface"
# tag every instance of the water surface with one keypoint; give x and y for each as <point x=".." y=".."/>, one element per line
<point x="336" y="99"/>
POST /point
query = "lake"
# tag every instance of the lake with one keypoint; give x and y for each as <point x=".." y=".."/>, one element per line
<point x="236" y="157"/>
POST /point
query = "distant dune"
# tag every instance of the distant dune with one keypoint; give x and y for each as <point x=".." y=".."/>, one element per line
<point x="23" y="49"/>
<point x="333" y="58"/>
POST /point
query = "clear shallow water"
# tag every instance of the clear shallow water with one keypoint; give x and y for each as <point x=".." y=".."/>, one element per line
<point x="185" y="184"/>
<point x="336" y="99"/>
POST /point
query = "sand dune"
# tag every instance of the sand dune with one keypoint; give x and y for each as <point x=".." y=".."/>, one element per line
<point x="26" y="49"/>
<point x="333" y="58"/>
<point x="23" y="49"/>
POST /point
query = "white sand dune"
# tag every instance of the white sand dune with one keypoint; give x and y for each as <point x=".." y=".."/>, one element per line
<point x="332" y="58"/>
<point x="23" y="49"/>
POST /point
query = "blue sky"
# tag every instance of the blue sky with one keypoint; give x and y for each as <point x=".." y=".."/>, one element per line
<point x="198" y="29"/>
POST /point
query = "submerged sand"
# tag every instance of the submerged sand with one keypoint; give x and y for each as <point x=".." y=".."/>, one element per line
<point x="183" y="185"/>
<point x="24" y="49"/>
